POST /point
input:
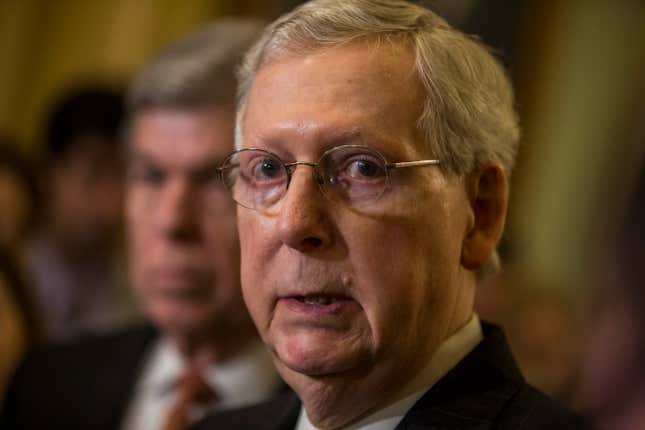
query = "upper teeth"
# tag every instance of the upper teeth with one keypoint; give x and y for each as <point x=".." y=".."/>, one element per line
<point x="317" y="300"/>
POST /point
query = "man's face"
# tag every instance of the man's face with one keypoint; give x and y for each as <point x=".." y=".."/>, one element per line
<point x="183" y="238"/>
<point x="390" y="273"/>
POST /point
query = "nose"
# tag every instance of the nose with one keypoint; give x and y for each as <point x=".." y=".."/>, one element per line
<point x="303" y="222"/>
<point x="177" y="213"/>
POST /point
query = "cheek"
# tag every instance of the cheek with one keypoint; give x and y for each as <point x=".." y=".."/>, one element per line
<point x="400" y="266"/>
<point x="134" y="210"/>
<point x="138" y="231"/>
<point x="256" y="244"/>
<point x="256" y="260"/>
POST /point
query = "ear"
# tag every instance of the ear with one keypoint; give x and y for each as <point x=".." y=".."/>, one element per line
<point x="487" y="190"/>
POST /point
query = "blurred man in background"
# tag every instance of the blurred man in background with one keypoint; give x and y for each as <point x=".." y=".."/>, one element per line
<point x="74" y="260"/>
<point x="202" y="353"/>
<point x="18" y="199"/>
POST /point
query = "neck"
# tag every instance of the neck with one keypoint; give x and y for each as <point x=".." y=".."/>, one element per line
<point x="336" y="401"/>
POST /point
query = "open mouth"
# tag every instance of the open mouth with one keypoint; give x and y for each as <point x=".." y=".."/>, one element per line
<point x="319" y="305"/>
<point x="319" y="300"/>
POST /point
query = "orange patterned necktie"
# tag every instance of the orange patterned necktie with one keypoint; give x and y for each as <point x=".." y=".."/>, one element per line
<point x="192" y="390"/>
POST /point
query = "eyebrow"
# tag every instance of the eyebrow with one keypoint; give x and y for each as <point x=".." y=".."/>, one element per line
<point x="329" y="137"/>
<point x="362" y="137"/>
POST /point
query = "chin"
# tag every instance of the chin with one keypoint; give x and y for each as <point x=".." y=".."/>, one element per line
<point x="315" y="357"/>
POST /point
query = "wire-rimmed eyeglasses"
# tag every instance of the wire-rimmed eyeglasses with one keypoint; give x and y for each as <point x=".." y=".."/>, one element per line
<point x="353" y="174"/>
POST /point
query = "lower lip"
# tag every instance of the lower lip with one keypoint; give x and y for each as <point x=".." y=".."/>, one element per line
<point x="313" y="309"/>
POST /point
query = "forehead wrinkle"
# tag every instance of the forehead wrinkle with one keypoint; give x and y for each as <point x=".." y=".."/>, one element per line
<point x="323" y="132"/>
<point x="324" y="136"/>
<point x="288" y="128"/>
<point x="385" y="57"/>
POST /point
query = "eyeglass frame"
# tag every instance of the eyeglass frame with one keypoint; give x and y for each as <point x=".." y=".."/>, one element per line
<point x="290" y="167"/>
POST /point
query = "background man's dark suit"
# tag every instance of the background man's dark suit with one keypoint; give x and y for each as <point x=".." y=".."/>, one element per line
<point x="84" y="385"/>
<point x="484" y="391"/>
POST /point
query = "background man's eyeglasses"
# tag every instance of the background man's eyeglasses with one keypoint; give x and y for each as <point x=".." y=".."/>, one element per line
<point x="353" y="174"/>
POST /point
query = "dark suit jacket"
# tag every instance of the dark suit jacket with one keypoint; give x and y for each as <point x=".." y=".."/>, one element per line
<point x="484" y="391"/>
<point x="83" y="385"/>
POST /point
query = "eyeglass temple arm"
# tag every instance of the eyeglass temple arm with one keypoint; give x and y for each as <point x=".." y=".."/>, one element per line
<point x="412" y="163"/>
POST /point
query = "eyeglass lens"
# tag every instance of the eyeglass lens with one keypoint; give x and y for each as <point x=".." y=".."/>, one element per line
<point x="258" y="179"/>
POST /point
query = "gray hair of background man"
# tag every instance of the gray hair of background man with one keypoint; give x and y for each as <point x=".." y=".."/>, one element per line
<point x="468" y="117"/>
<point x="197" y="71"/>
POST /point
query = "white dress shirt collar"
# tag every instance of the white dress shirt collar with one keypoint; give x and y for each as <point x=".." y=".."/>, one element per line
<point x="248" y="378"/>
<point x="449" y="353"/>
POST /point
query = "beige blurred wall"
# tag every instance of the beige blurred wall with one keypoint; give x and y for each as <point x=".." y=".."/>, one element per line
<point x="47" y="45"/>
<point x="586" y="75"/>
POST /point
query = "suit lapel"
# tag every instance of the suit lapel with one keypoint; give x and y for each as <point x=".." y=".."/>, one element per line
<point x="287" y="415"/>
<point x="472" y="394"/>
<point x="113" y="388"/>
<point x="279" y="413"/>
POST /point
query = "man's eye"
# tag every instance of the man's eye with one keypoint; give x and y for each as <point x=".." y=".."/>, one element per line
<point x="266" y="168"/>
<point x="364" y="169"/>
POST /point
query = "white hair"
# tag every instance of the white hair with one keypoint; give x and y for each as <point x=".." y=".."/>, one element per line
<point x="468" y="118"/>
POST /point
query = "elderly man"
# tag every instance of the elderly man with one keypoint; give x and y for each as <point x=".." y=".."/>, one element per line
<point x="203" y="353"/>
<point x="375" y="144"/>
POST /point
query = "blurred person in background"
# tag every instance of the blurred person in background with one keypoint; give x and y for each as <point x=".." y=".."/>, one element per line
<point x="13" y="339"/>
<point x="19" y="329"/>
<point x="202" y="352"/>
<point x="74" y="259"/>
<point x="612" y="390"/>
